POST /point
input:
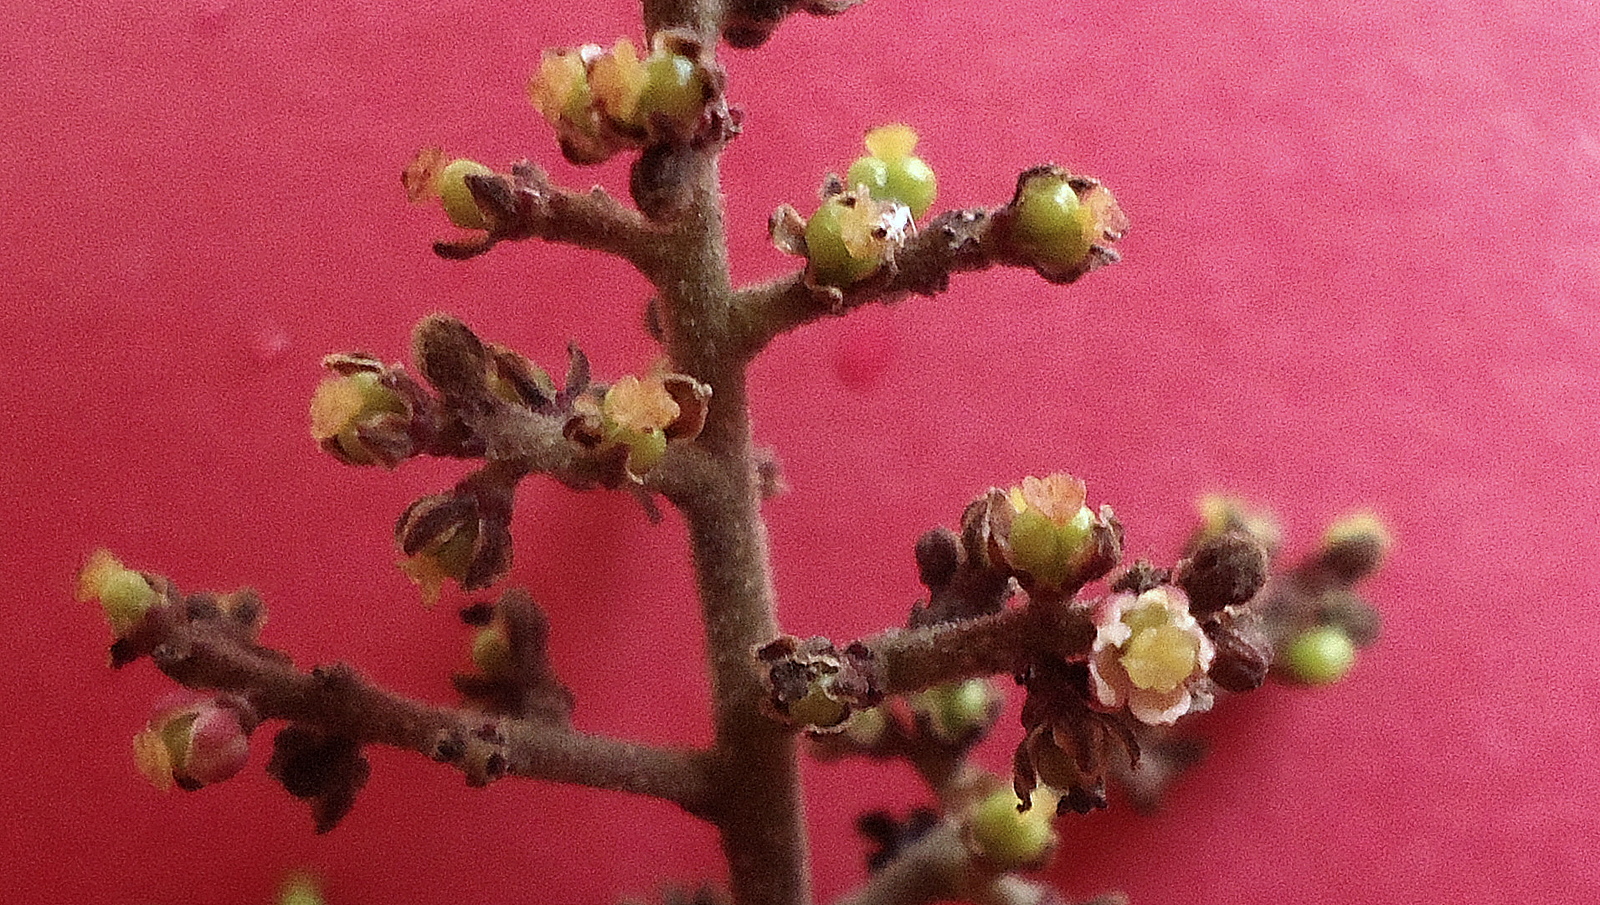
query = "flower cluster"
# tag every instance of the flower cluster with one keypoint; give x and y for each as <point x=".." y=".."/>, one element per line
<point x="601" y="102"/>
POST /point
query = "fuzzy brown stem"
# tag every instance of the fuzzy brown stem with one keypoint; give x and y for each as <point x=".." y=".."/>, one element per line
<point x="754" y="761"/>
<point x="199" y="655"/>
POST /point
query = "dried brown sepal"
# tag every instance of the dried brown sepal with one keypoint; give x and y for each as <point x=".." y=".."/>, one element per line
<point x="1068" y="744"/>
<point x="813" y="685"/>
<point x="961" y="582"/>
<point x="421" y="176"/>
<point x="323" y="769"/>
<point x="1224" y="571"/>
<point x="787" y="230"/>
<point x="452" y="358"/>
<point x="694" y="403"/>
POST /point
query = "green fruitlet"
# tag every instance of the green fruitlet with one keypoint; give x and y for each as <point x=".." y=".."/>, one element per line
<point x="891" y="173"/>
<point x="1050" y="226"/>
<point x="1048" y="551"/>
<point x="459" y="204"/>
<point x="674" y="87"/>
<point x="1320" y="656"/>
<point x="1008" y="838"/>
<point x="832" y="262"/>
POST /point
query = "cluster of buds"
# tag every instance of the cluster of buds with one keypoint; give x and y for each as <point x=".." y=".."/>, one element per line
<point x="601" y="102"/>
<point x="631" y="422"/>
<point x="1317" y="620"/>
<point x="1047" y="536"/>
<point x="1060" y="224"/>
<point x="815" y="686"/>
<point x="192" y="742"/>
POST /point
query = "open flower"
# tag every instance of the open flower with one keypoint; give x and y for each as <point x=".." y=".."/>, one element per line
<point x="1151" y="656"/>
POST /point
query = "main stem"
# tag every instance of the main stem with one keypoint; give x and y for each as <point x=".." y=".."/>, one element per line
<point x="755" y="777"/>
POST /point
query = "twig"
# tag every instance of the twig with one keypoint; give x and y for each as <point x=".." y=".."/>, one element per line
<point x="199" y="655"/>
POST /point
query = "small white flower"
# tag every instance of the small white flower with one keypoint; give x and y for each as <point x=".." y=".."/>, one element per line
<point x="1151" y="656"/>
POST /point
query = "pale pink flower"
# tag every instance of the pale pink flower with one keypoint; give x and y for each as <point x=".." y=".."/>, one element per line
<point x="1151" y="656"/>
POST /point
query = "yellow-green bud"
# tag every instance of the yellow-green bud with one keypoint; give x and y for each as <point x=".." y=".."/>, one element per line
<point x="1319" y="656"/>
<point x="456" y="196"/>
<point x="1008" y="838"/>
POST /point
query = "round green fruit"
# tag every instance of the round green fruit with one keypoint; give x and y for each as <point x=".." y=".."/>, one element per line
<point x="907" y="180"/>
<point x="832" y="264"/>
<point x="1049" y="225"/>
<point x="1320" y="656"/>
<point x="459" y="204"/>
<point x="674" y="87"/>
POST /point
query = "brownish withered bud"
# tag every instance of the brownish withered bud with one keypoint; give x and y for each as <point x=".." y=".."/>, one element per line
<point x="938" y="557"/>
<point x="1069" y="744"/>
<point x="1244" y="652"/>
<point x="452" y="358"/>
<point x="1352" y="615"/>
<point x="1352" y="549"/>
<point x="325" y="770"/>
<point x="463" y="535"/>
<point x="1225" y="570"/>
<point x="813" y="685"/>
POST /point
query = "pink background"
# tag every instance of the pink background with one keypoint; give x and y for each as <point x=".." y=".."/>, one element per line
<point x="1365" y="269"/>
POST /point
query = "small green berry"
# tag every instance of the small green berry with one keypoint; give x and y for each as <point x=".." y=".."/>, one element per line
<point x="1050" y="226"/>
<point x="674" y="87"/>
<point x="891" y="173"/>
<point x="491" y="652"/>
<point x="645" y="447"/>
<point x="907" y="180"/>
<point x="459" y="204"/>
<point x="957" y="712"/>
<point x="832" y="263"/>
<point x="818" y="709"/>
<point x="125" y="597"/>
<point x="1320" y="656"/>
<point x="1008" y="838"/>
<point x="1047" y="551"/>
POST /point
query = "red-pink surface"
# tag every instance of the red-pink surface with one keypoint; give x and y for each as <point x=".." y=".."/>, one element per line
<point x="1365" y="270"/>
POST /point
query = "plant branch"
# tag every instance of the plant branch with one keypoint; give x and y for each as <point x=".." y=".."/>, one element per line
<point x="203" y="655"/>
<point x="953" y="242"/>
<point x="530" y="206"/>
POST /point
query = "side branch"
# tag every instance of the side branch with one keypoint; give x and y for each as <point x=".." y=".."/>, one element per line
<point x="204" y="655"/>
<point x="954" y="242"/>
<point x="529" y="206"/>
